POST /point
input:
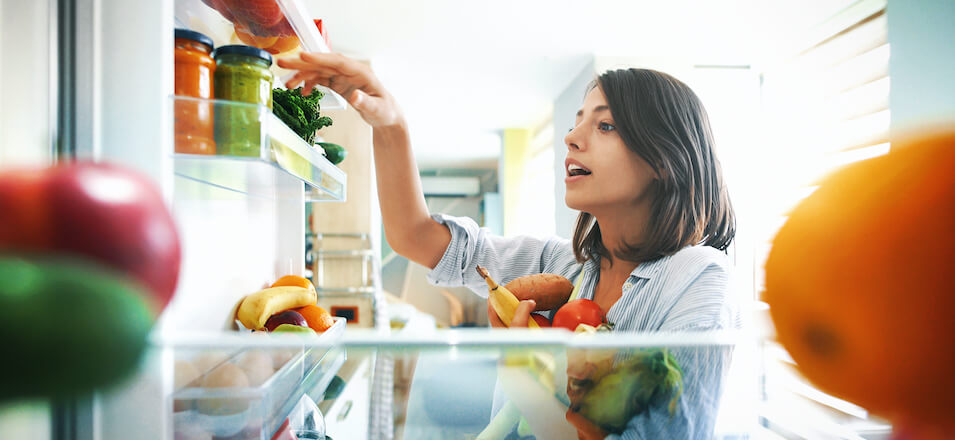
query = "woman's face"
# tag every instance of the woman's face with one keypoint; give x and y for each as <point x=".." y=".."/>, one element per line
<point x="601" y="172"/>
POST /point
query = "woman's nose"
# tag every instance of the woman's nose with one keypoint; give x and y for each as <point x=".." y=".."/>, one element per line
<point x="571" y="140"/>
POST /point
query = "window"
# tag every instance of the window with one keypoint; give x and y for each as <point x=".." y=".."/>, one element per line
<point x="824" y="107"/>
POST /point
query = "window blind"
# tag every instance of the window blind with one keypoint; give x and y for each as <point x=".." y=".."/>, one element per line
<point x="825" y="106"/>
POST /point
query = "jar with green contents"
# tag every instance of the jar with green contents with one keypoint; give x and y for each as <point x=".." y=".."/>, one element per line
<point x="242" y="74"/>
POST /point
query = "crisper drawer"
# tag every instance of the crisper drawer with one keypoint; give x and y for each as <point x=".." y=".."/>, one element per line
<point x="248" y="393"/>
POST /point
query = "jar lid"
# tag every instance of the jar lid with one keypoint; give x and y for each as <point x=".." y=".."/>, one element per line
<point x="238" y="49"/>
<point x="194" y="36"/>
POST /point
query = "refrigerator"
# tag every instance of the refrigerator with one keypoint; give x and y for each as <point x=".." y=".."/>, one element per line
<point x="108" y="68"/>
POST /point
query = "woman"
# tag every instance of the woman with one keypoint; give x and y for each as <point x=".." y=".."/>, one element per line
<point x="649" y="246"/>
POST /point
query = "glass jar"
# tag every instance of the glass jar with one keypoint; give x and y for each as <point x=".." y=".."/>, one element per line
<point x="194" y="70"/>
<point x="242" y="75"/>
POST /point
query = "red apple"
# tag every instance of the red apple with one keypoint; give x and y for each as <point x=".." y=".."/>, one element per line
<point x="286" y="317"/>
<point x="101" y="211"/>
<point x="24" y="211"/>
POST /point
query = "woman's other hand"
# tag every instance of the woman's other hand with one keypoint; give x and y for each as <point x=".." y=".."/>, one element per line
<point x="521" y="316"/>
<point x="351" y="79"/>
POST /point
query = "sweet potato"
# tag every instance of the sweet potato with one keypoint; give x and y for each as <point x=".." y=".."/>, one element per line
<point x="550" y="291"/>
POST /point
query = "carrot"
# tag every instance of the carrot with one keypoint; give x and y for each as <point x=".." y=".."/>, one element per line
<point x="550" y="291"/>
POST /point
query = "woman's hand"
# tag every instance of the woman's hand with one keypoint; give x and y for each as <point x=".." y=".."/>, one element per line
<point x="349" y="78"/>
<point x="521" y="316"/>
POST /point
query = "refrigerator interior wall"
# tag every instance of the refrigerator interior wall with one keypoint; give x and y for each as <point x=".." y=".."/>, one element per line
<point x="27" y="82"/>
<point x="233" y="245"/>
<point x="27" y="93"/>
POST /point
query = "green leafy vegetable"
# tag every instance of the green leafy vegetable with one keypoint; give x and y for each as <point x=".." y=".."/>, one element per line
<point x="649" y="377"/>
<point x="300" y="113"/>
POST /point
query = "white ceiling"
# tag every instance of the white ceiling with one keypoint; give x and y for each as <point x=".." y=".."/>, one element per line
<point x="462" y="71"/>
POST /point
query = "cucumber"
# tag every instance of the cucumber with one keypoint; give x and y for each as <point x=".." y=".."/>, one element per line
<point x="334" y="388"/>
<point x="69" y="327"/>
<point x="333" y="152"/>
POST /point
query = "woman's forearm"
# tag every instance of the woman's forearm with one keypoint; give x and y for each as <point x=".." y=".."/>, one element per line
<point x="409" y="228"/>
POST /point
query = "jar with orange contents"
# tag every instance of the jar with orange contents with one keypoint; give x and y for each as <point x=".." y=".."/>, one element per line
<point x="194" y="72"/>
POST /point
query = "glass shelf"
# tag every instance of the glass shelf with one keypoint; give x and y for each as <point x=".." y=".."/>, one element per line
<point x="251" y="391"/>
<point x="477" y="338"/>
<point x="249" y="144"/>
<point x="290" y="30"/>
<point x="472" y="383"/>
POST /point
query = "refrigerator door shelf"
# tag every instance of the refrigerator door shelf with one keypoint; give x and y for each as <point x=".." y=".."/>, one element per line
<point x="257" y="154"/>
<point x="283" y="27"/>
<point x="259" y="409"/>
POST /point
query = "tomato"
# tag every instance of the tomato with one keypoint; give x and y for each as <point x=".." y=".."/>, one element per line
<point x="265" y="13"/>
<point x="576" y="312"/>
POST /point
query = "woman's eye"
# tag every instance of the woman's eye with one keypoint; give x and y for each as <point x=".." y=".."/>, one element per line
<point x="603" y="126"/>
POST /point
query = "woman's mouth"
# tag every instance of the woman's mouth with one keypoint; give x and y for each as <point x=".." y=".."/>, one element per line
<point x="575" y="172"/>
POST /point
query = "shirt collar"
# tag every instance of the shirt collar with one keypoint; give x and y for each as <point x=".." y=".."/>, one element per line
<point x="646" y="270"/>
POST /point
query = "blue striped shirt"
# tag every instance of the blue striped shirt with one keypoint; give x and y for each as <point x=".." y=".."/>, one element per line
<point x="686" y="291"/>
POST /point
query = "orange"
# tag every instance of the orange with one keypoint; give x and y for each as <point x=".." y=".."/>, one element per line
<point x="316" y="317"/>
<point x="255" y="40"/>
<point x="295" y="281"/>
<point x="860" y="283"/>
<point x="283" y="44"/>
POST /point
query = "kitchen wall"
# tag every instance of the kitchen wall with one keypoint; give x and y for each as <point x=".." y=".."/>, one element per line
<point x="922" y="63"/>
<point x="527" y="181"/>
<point x="408" y="281"/>
<point x="565" y="109"/>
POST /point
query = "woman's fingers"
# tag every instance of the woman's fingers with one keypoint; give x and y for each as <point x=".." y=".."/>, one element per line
<point x="301" y="77"/>
<point x="349" y="78"/>
<point x="309" y="86"/>
<point x="360" y="101"/>
<point x="341" y="85"/>
<point x="328" y="64"/>
<point x="298" y="63"/>
<point x="523" y="313"/>
<point x="521" y="316"/>
<point x="492" y="317"/>
<point x="337" y="62"/>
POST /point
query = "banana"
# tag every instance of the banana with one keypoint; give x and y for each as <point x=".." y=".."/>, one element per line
<point x="256" y="308"/>
<point x="502" y="300"/>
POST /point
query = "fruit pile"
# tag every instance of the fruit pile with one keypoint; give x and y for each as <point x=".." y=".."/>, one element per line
<point x="89" y="256"/>
<point x="549" y="292"/>
<point x="286" y="306"/>
<point x="259" y="23"/>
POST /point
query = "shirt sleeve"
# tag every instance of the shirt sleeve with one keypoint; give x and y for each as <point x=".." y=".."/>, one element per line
<point x="506" y="258"/>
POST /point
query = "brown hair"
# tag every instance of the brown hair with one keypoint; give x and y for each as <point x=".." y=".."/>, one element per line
<point x="663" y="121"/>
